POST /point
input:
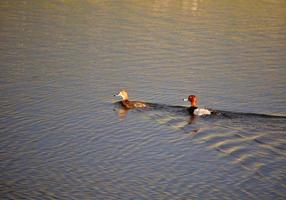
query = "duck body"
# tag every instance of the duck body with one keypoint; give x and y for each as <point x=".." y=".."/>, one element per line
<point x="130" y="104"/>
<point x="133" y="104"/>
<point x="193" y="109"/>
<point x="202" y="111"/>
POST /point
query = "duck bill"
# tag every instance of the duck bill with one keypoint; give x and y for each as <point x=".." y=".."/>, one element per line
<point x="185" y="99"/>
<point x="116" y="95"/>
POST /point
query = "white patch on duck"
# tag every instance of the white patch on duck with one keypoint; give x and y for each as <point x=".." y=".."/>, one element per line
<point x="201" y="111"/>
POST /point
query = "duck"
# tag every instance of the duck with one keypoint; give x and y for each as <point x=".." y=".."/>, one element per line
<point x="193" y="109"/>
<point x="129" y="104"/>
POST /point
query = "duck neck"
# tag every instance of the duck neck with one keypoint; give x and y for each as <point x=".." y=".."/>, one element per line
<point x="125" y="98"/>
<point x="193" y="104"/>
<point x="126" y="103"/>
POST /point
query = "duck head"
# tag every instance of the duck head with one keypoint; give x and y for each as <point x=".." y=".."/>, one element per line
<point x="123" y="94"/>
<point x="193" y="100"/>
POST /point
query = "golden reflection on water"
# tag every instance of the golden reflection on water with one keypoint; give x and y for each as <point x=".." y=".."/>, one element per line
<point x="187" y="6"/>
<point x="122" y="112"/>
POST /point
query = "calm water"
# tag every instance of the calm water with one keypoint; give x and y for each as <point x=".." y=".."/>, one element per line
<point x="63" y="136"/>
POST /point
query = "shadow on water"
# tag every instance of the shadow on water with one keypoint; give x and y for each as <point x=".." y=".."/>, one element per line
<point x="183" y="111"/>
<point x="256" y="142"/>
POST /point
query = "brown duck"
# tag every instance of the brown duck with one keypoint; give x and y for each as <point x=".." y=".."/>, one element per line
<point x="129" y="104"/>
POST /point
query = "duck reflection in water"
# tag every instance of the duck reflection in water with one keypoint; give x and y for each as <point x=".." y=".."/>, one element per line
<point x="122" y="112"/>
<point x="192" y="119"/>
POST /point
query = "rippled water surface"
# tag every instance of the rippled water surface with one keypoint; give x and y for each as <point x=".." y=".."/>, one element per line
<point x="64" y="136"/>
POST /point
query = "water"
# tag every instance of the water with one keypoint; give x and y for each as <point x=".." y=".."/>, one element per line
<point x="63" y="136"/>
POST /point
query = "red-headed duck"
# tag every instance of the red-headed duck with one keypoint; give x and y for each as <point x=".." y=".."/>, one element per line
<point x="194" y="110"/>
<point x="129" y="104"/>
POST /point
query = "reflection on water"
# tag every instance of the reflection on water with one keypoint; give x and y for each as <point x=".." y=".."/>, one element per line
<point x="186" y="6"/>
<point x="62" y="137"/>
<point x="122" y="112"/>
<point x="254" y="149"/>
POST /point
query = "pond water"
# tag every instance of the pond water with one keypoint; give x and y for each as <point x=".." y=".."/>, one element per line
<point x="64" y="135"/>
